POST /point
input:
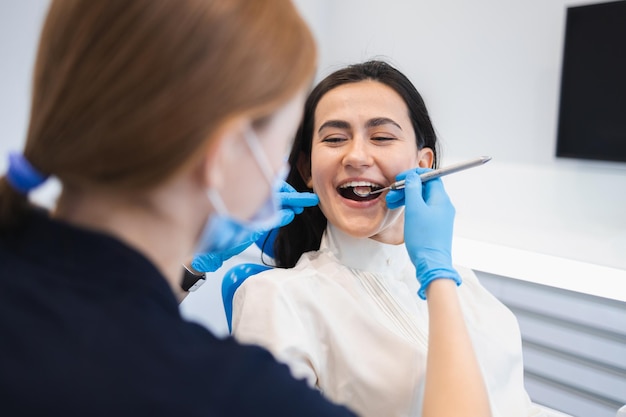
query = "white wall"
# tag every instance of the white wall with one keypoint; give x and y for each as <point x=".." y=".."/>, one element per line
<point x="489" y="69"/>
<point x="20" y="23"/>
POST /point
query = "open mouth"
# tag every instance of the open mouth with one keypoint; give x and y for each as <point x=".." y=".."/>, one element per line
<point x="348" y="189"/>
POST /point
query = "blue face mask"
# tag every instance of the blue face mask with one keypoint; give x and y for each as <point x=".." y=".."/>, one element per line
<point x="223" y="232"/>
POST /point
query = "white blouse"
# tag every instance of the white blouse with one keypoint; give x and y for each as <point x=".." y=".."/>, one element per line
<point x="347" y="319"/>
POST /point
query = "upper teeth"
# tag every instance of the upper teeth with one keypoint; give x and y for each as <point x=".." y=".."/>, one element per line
<point x="358" y="184"/>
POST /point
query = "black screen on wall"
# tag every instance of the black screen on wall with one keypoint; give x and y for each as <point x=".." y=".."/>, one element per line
<point x="592" y="111"/>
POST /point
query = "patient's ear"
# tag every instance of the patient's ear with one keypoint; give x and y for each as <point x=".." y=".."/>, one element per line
<point x="304" y="169"/>
<point x="425" y="158"/>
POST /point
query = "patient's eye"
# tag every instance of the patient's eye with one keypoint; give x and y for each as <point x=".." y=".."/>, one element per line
<point x="333" y="139"/>
<point x="382" y="138"/>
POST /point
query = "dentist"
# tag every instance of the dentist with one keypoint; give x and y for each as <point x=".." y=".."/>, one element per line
<point x="164" y="122"/>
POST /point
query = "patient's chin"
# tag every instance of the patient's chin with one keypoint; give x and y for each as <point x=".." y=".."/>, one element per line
<point x="386" y="229"/>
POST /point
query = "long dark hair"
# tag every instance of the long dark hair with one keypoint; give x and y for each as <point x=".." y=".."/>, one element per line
<point x="304" y="234"/>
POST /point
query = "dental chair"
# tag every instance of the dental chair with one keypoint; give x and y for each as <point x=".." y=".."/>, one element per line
<point x="233" y="278"/>
<point x="236" y="275"/>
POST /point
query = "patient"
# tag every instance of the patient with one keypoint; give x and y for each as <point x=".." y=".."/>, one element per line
<point x="343" y="310"/>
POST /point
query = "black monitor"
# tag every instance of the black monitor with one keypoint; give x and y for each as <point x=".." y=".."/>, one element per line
<point x="592" y="111"/>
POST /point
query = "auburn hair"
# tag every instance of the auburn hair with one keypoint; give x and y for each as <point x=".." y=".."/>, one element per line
<point x="126" y="93"/>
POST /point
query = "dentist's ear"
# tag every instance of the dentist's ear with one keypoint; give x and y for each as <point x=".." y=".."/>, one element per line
<point x="425" y="158"/>
<point x="222" y="152"/>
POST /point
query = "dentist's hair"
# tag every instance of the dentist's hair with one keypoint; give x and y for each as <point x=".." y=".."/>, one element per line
<point x="128" y="93"/>
<point x="304" y="234"/>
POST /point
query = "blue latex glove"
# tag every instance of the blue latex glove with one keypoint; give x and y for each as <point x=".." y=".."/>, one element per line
<point x="211" y="262"/>
<point x="291" y="203"/>
<point x="428" y="224"/>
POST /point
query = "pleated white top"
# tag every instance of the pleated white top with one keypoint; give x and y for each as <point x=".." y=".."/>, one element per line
<point x="347" y="319"/>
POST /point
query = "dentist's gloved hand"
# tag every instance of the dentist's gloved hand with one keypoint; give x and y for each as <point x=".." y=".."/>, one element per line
<point x="291" y="203"/>
<point x="212" y="261"/>
<point x="395" y="198"/>
<point x="428" y="225"/>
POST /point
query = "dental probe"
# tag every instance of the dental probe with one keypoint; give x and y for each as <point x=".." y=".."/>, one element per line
<point x="398" y="185"/>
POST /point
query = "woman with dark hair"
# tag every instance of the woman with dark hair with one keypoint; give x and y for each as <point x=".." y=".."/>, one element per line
<point x="305" y="233"/>
<point x="344" y="310"/>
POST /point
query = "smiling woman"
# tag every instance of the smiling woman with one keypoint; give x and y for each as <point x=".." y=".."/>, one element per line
<point x="377" y="108"/>
<point x="363" y="137"/>
<point x="344" y="311"/>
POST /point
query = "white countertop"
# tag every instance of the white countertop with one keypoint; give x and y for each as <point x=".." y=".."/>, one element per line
<point x="582" y="277"/>
<point x="562" y="224"/>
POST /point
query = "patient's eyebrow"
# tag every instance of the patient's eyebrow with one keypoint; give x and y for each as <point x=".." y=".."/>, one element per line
<point x="341" y="124"/>
<point x="379" y="121"/>
<point x="338" y="124"/>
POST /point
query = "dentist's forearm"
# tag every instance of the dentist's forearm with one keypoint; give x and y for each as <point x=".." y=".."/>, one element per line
<point x="454" y="382"/>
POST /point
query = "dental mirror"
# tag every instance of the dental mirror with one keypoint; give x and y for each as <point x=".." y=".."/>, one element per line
<point x="427" y="175"/>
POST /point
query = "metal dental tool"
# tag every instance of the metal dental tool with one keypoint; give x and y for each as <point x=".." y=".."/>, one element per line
<point x="430" y="175"/>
